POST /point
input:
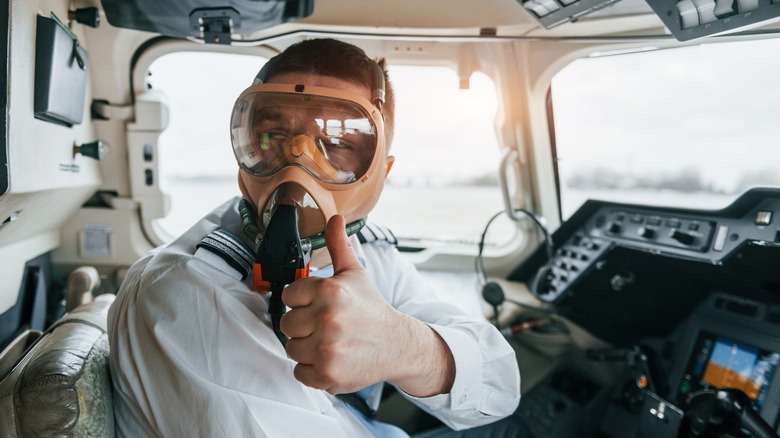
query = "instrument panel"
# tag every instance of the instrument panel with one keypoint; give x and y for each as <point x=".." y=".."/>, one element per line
<point x="626" y="271"/>
<point x="704" y="236"/>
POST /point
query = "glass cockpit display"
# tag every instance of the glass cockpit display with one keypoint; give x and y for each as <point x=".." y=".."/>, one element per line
<point x="717" y="362"/>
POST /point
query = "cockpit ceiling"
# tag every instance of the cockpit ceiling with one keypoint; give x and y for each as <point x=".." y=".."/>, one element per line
<point x="431" y="18"/>
<point x="508" y="18"/>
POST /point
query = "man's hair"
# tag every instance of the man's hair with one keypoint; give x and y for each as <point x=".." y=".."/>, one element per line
<point x="329" y="57"/>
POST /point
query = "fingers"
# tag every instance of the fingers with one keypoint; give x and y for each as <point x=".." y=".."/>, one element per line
<point x="316" y="351"/>
<point x="301" y="292"/>
<point x="311" y="377"/>
<point x="316" y="377"/>
<point x="330" y="318"/>
<point x="298" y="323"/>
<point x="339" y="246"/>
<point x="316" y="367"/>
<point x="301" y="351"/>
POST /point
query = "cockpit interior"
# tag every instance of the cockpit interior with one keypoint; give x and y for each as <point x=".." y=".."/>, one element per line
<point x="597" y="178"/>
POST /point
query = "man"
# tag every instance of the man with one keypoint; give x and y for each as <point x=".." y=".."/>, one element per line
<point x="193" y="352"/>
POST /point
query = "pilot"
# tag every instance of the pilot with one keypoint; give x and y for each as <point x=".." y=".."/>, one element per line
<point x="194" y="351"/>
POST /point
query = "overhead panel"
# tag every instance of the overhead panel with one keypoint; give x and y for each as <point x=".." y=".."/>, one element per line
<point x="690" y="19"/>
<point x="551" y="13"/>
<point x="685" y="19"/>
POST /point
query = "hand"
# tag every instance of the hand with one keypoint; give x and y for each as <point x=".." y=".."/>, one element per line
<point x="345" y="336"/>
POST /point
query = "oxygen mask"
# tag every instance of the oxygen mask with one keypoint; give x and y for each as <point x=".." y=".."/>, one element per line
<point x="319" y="149"/>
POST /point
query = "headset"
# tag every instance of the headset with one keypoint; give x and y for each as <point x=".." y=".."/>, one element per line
<point x="492" y="292"/>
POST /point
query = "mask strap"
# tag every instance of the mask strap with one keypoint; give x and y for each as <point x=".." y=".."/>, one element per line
<point x="379" y="85"/>
<point x="251" y="230"/>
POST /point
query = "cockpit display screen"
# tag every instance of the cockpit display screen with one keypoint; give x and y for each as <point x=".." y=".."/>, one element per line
<point x="717" y="362"/>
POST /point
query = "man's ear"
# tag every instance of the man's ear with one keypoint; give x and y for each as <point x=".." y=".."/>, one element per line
<point x="390" y="161"/>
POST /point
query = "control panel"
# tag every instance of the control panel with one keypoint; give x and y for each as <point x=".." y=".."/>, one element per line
<point x="663" y="230"/>
<point x="573" y="260"/>
<point x="599" y="227"/>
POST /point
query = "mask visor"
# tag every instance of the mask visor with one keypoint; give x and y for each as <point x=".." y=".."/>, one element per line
<point x="332" y="139"/>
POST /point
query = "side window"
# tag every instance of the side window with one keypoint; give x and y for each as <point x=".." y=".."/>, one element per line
<point x="442" y="188"/>
<point x="197" y="167"/>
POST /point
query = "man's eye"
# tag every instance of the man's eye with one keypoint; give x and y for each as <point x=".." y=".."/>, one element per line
<point x="271" y="139"/>
<point x="361" y="144"/>
<point x="336" y="143"/>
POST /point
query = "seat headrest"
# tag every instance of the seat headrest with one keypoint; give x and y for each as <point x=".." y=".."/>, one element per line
<point x="62" y="385"/>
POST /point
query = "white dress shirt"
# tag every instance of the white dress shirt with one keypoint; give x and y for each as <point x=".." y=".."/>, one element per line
<point x="193" y="354"/>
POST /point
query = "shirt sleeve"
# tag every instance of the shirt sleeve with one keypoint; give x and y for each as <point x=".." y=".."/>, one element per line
<point x="192" y="356"/>
<point x="487" y="378"/>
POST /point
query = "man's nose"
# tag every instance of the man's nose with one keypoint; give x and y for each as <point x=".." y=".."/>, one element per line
<point x="309" y="127"/>
<point x="302" y="144"/>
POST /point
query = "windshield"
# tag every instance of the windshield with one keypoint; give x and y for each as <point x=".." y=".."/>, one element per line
<point x="686" y="127"/>
<point x="442" y="189"/>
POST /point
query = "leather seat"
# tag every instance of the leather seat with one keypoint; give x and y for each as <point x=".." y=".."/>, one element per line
<point x="62" y="386"/>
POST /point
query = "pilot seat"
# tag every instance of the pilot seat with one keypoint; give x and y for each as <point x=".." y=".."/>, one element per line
<point x="57" y="383"/>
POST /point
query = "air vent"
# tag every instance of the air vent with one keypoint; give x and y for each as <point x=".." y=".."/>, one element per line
<point x="743" y="308"/>
<point x="773" y="316"/>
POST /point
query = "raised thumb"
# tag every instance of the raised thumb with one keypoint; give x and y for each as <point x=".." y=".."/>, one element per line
<point x="339" y="246"/>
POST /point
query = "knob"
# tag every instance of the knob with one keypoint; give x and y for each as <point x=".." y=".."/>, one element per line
<point x="646" y="232"/>
<point x="86" y="16"/>
<point x="682" y="237"/>
<point x="93" y="150"/>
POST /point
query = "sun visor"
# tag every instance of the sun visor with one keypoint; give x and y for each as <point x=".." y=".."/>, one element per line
<point x="213" y="22"/>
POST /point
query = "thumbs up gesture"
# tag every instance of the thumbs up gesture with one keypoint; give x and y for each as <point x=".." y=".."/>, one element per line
<point x="345" y="336"/>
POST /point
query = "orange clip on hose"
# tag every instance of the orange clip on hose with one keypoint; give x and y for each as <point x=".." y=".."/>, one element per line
<point x="261" y="285"/>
